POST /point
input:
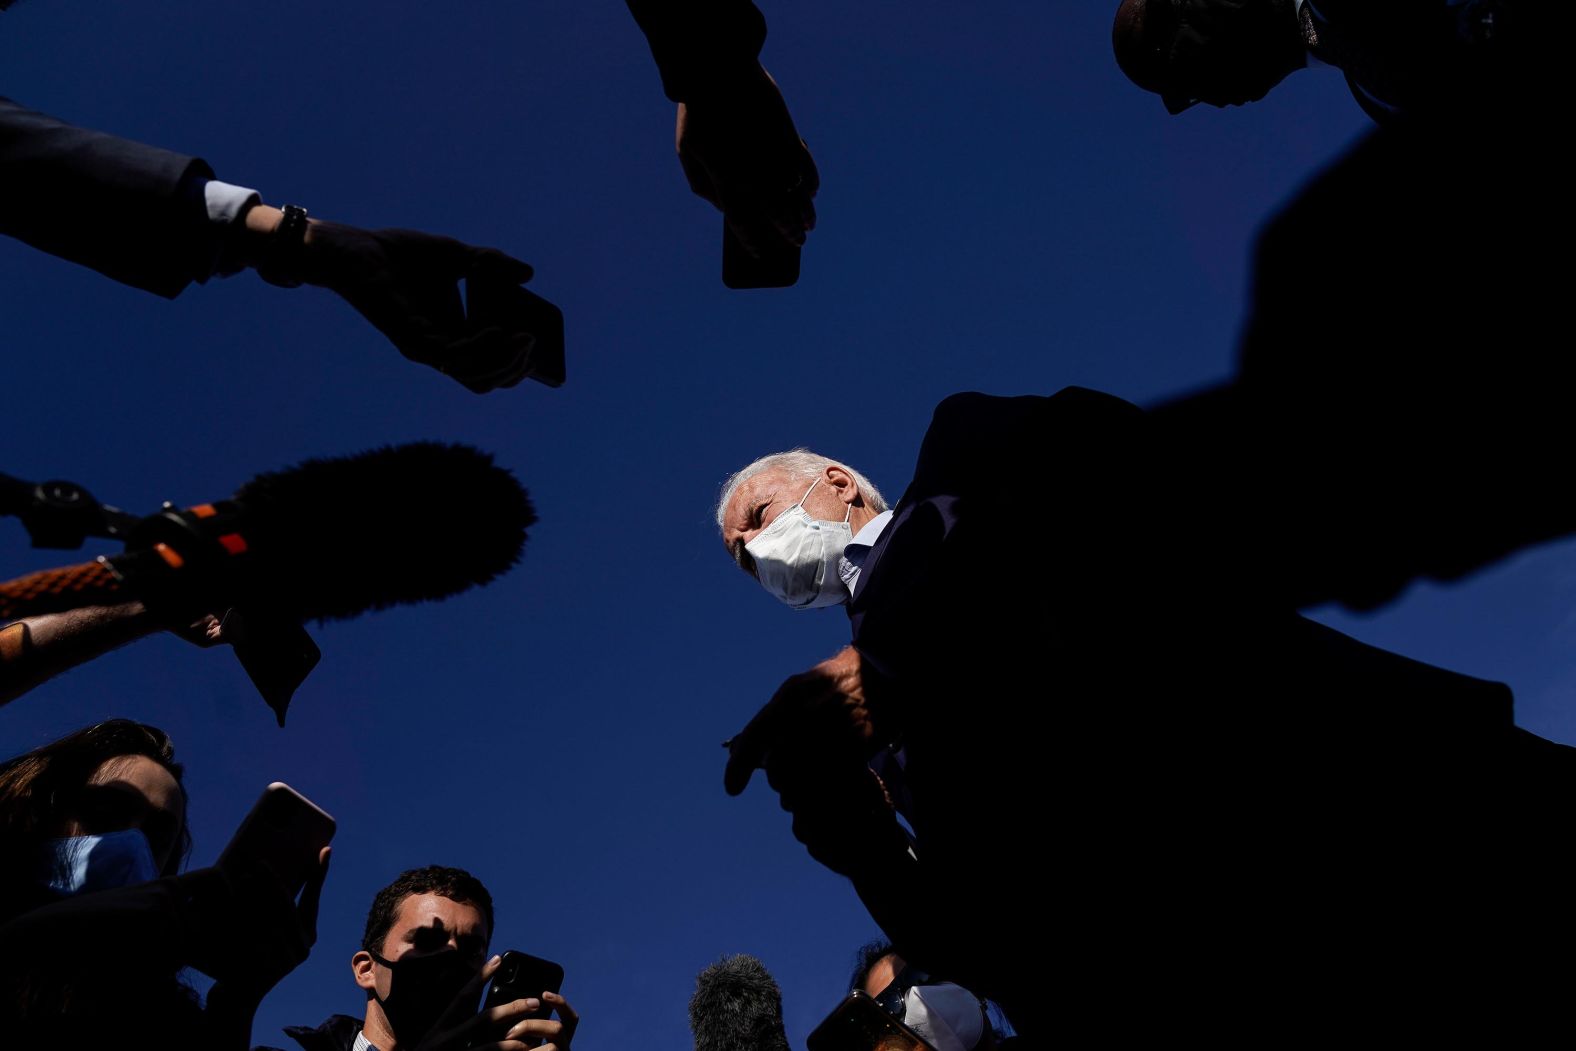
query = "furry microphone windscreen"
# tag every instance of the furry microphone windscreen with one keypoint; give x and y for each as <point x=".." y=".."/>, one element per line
<point x="737" y="1006"/>
<point x="403" y="524"/>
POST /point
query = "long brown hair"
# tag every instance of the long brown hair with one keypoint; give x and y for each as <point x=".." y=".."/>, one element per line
<point x="38" y="787"/>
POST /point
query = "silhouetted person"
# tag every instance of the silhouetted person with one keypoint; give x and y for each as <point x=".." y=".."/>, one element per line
<point x="96" y="922"/>
<point x="1399" y="57"/>
<point x="736" y="140"/>
<point x="1130" y="773"/>
<point x="422" y="965"/>
<point x="159" y="220"/>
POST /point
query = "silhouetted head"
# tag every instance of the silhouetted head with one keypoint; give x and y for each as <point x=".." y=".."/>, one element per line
<point x="112" y="777"/>
<point x="1223" y="52"/>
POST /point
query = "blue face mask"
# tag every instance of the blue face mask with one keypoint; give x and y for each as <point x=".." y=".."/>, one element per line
<point x="83" y="864"/>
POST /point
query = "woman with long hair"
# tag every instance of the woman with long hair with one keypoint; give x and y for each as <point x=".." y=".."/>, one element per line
<point x="96" y="920"/>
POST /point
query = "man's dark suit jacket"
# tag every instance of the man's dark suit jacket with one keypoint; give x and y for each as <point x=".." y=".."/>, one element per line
<point x="1148" y="799"/>
<point x="132" y="212"/>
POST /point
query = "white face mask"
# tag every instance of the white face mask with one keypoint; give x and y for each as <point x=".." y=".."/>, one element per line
<point x="948" y="1017"/>
<point x="796" y="556"/>
<point x="83" y="864"/>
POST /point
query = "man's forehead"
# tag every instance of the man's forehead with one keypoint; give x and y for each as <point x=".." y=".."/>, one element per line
<point x="763" y="485"/>
<point x="434" y="910"/>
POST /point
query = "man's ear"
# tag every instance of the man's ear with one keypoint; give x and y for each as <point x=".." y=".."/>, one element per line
<point x="843" y="482"/>
<point x="363" y="967"/>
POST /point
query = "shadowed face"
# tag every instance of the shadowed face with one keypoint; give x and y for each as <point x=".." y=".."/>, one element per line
<point x="425" y="924"/>
<point x="1220" y="52"/>
<point x="131" y="791"/>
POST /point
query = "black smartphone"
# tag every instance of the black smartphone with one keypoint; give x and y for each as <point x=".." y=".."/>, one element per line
<point x="776" y="267"/>
<point x="491" y="303"/>
<point x="861" y="1024"/>
<point x="283" y="834"/>
<point x="521" y="975"/>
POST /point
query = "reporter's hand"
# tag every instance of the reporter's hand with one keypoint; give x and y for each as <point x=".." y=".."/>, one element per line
<point x="204" y="632"/>
<point x="544" y="1034"/>
<point x="406" y="283"/>
<point x="254" y="934"/>
<point x="458" y="1028"/>
<point x="740" y="151"/>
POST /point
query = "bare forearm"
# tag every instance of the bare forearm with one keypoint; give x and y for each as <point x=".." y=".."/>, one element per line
<point x="36" y="649"/>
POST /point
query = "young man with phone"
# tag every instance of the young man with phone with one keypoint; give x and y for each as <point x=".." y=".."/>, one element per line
<point x="423" y="966"/>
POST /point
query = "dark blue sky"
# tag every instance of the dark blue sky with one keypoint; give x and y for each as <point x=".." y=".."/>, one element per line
<point x="1000" y="211"/>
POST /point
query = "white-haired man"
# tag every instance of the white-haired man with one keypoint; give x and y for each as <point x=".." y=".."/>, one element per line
<point x="823" y="519"/>
<point x="1131" y="775"/>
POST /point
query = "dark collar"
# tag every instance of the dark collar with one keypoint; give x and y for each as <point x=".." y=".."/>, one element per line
<point x="336" y="1034"/>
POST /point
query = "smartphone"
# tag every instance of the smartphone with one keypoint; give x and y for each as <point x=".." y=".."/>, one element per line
<point x="776" y="267"/>
<point x="521" y="975"/>
<point x="490" y="303"/>
<point x="861" y="1024"/>
<point x="283" y="834"/>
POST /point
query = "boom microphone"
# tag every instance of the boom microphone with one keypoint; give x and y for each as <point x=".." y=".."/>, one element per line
<point x="328" y="539"/>
<point x="737" y="1006"/>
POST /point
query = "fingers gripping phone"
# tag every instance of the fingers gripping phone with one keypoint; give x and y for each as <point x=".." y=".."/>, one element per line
<point x="861" y="1024"/>
<point x="283" y="834"/>
<point x="521" y="975"/>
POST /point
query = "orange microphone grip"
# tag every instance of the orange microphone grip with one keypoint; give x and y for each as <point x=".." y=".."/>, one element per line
<point x="57" y="590"/>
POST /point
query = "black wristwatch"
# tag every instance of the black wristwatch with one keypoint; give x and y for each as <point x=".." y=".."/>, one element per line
<point x="282" y="262"/>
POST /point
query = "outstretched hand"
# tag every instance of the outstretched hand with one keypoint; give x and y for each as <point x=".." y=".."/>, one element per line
<point x="406" y="283"/>
<point x="740" y="151"/>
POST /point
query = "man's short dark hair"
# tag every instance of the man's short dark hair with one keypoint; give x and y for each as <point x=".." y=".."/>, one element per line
<point x="869" y="954"/>
<point x="454" y="884"/>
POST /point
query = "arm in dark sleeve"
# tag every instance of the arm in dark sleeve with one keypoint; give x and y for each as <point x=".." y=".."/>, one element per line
<point x="698" y="43"/>
<point x="132" y="212"/>
<point x="155" y="918"/>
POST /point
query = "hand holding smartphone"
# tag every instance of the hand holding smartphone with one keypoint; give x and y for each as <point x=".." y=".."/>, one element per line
<point x="284" y="834"/>
<point x="520" y="976"/>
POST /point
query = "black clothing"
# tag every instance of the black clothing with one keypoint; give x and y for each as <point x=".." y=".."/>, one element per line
<point x="700" y="42"/>
<point x="103" y="968"/>
<point x="132" y="212"/>
<point x="1146" y="796"/>
<point x="338" y="1033"/>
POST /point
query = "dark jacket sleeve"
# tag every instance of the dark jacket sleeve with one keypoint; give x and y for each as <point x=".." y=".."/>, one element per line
<point x="700" y="42"/>
<point x="132" y="212"/>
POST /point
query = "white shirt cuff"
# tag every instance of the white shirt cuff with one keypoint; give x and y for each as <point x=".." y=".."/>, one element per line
<point x="227" y="203"/>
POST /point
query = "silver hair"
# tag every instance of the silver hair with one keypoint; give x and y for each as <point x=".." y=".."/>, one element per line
<point x="799" y="463"/>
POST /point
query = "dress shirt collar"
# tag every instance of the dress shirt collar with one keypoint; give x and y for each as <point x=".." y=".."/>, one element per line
<point x="858" y="549"/>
